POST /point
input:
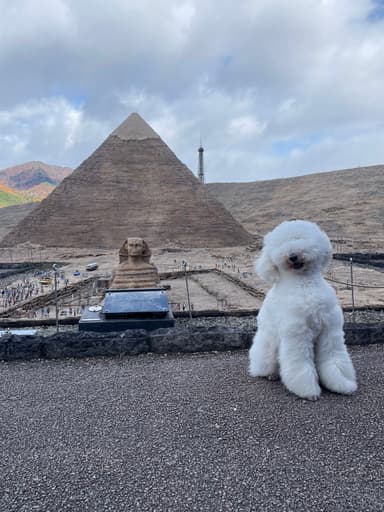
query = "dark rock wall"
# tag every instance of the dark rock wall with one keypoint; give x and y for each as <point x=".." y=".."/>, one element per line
<point x="180" y="339"/>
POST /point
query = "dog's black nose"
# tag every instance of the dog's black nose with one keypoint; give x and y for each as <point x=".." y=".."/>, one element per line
<point x="293" y="258"/>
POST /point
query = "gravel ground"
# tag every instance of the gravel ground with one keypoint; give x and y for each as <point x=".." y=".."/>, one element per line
<point x="186" y="433"/>
<point x="366" y="315"/>
<point x="249" y="322"/>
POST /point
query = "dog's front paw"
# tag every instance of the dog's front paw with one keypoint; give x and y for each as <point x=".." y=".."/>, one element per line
<point x="261" y="369"/>
<point x="338" y="377"/>
<point x="312" y="397"/>
<point x="304" y="385"/>
<point x="339" y="384"/>
<point x="312" y="393"/>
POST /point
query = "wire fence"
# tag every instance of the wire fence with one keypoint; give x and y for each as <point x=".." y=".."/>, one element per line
<point x="360" y="284"/>
<point x="357" y="284"/>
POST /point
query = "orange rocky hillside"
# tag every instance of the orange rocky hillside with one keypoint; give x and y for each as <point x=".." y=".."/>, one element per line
<point x="31" y="181"/>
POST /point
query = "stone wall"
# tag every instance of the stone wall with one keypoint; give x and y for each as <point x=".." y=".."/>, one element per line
<point x="179" y="339"/>
<point x="374" y="259"/>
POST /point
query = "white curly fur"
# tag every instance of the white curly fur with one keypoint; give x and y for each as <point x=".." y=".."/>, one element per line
<point x="300" y="324"/>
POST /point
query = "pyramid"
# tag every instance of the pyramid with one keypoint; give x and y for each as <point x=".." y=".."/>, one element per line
<point x="133" y="185"/>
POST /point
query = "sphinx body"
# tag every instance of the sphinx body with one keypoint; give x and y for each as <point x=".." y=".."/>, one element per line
<point x="134" y="269"/>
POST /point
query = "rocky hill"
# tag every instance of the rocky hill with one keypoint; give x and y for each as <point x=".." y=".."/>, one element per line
<point x="31" y="181"/>
<point x="348" y="204"/>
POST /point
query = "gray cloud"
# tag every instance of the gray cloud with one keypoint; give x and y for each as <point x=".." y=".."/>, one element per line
<point x="274" y="87"/>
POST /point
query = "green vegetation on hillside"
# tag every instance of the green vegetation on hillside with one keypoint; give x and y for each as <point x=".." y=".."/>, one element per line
<point x="10" y="198"/>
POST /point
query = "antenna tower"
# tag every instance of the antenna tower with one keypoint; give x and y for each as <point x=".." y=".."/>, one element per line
<point x="201" y="163"/>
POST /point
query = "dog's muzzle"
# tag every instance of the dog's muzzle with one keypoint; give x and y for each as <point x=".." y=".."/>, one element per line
<point x="295" y="261"/>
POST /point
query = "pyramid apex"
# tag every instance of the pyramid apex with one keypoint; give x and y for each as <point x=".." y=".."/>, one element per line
<point x="134" y="127"/>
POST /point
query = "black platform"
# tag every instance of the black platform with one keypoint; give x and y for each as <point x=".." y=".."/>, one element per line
<point x="134" y="308"/>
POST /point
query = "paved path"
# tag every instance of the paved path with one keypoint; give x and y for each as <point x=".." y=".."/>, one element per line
<point x="184" y="433"/>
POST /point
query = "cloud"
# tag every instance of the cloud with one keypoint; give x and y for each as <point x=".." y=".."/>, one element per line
<point x="45" y="129"/>
<point x="245" y="126"/>
<point x="273" y="87"/>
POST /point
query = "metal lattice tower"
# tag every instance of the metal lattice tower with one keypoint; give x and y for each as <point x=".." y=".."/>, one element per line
<point x="201" y="163"/>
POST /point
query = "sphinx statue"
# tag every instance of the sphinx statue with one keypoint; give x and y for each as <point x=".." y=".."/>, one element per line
<point x="134" y="269"/>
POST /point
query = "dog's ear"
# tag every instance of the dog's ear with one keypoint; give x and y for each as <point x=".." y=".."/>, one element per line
<point x="265" y="267"/>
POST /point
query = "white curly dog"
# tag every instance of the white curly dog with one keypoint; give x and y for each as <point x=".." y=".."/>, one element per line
<point x="300" y="324"/>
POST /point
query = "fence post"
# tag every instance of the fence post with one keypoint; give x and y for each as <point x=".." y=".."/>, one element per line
<point x="55" y="269"/>
<point x="352" y="288"/>
<point x="184" y="266"/>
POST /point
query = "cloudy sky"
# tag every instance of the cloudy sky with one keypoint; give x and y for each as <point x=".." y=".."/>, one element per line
<point x="275" y="88"/>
